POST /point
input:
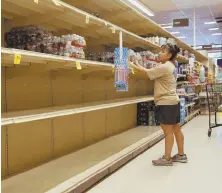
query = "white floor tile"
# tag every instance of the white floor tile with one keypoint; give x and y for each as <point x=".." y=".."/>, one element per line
<point x="203" y="173"/>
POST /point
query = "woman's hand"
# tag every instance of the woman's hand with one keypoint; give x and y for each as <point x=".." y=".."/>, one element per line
<point x="139" y="69"/>
<point x="132" y="65"/>
<point x="135" y="66"/>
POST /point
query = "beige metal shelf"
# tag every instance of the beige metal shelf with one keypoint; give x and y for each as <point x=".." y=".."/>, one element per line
<point x="122" y="14"/>
<point x="203" y="95"/>
<point x="192" y="115"/>
<point x="190" y="94"/>
<point x="64" y="19"/>
<point x="191" y="104"/>
<point x="181" y="75"/>
<point x="51" y="61"/>
<point x="28" y="57"/>
<point x="186" y="95"/>
<point x="51" y="112"/>
<point x="77" y="170"/>
<point x="182" y="82"/>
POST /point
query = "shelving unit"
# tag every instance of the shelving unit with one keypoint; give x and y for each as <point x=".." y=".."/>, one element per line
<point x="182" y="82"/>
<point x="51" y="109"/>
<point x="93" y="166"/>
<point x="88" y="162"/>
<point x="100" y="33"/>
<point x="204" y="109"/>
<point x="51" y="62"/>
<point x="192" y="115"/>
<point x="181" y="75"/>
<point x="52" y="112"/>
<point x="187" y="94"/>
<point x="122" y="14"/>
<point x="189" y="105"/>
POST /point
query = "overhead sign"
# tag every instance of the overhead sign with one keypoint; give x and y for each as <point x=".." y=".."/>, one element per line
<point x="181" y="22"/>
<point x="207" y="47"/>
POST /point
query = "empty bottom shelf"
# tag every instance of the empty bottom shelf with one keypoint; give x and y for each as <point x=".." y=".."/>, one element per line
<point x="68" y="172"/>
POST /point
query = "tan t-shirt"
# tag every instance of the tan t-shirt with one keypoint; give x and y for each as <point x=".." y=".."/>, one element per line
<point x="165" y="84"/>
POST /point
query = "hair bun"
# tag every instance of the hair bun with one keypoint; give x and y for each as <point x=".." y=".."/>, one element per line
<point x="177" y="49"/>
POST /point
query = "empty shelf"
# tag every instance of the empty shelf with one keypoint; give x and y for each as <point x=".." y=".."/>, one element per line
<point x="67" y="172"/>
<point x="51" y="112"/>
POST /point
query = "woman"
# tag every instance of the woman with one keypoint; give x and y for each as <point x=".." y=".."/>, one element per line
<point x="167" y="103"/>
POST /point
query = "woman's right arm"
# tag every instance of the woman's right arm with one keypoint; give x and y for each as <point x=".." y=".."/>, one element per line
<point x="152" y="73"/>
<point x="139" y="69"/>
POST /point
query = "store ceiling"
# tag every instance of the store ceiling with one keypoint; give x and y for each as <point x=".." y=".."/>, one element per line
<point x="165" y="11"/>
<point x="205" y="11"/>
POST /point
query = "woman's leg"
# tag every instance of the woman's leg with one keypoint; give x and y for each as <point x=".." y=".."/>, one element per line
<point x="179" y="138"/>
<point x="169" y="139"/>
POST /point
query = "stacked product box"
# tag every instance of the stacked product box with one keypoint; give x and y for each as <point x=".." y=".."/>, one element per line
<point x="182" y="110"/>
<point x="146" y="114"/>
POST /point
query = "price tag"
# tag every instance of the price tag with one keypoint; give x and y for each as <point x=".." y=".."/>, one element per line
<point x="67" y="54"/>
<point x="17" y="58"/>
<point x="113" y="30"/>
<point x="87" y="19"/>
<point x="36" y="1"/>
<point x="69" y="42"/>
<point x="78" y="65"/>
<point x="55" y="1"/>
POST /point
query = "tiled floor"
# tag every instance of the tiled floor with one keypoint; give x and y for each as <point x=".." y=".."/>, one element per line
<point x="203" y="173"/>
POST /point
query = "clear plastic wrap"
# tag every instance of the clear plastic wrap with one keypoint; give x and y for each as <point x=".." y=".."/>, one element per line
<point x="37" y="39"/>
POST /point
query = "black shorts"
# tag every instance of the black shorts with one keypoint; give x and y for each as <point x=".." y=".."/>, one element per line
<point x="167" y="114"/>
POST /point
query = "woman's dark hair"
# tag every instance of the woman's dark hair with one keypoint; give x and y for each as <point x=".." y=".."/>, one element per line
<point x="173" y="49"/>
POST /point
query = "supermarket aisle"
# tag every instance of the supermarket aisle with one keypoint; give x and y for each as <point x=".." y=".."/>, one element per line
<point x="202" y="174"/>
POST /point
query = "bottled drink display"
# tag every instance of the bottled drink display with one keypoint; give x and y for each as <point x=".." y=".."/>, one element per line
<point x="146" y="114"/>
<point x="37" y="39"/>
<point x="108" y="57"/>
<point x="146" y="59"/>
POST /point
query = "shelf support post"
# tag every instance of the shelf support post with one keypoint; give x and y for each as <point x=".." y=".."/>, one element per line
<point x="194" y="27"/>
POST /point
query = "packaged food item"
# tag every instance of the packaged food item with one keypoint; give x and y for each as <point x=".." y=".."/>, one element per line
<point x="202" y="74"/>
<point x="37" y="39"/>
<point x="157" y="40"/>
<point x="146" y="59"/>
<point x="186" y="53"/>
<point x="107" y="57"/>
<point x="162" y="41"/>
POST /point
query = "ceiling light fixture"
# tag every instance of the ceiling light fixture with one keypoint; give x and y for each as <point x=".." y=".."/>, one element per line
<point x="139" y="6"/>
<point x="213" y="29"/>
<point x="164" y="24"/>
<point x="217" y="46"/>
<point x="175" y="32"/>
<point x="217" y="34"/>
<point x="167" y="27"/>
<point x="210" y="22"/>
<point x="198" y="47"/>
<point x="181" y="37"/>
